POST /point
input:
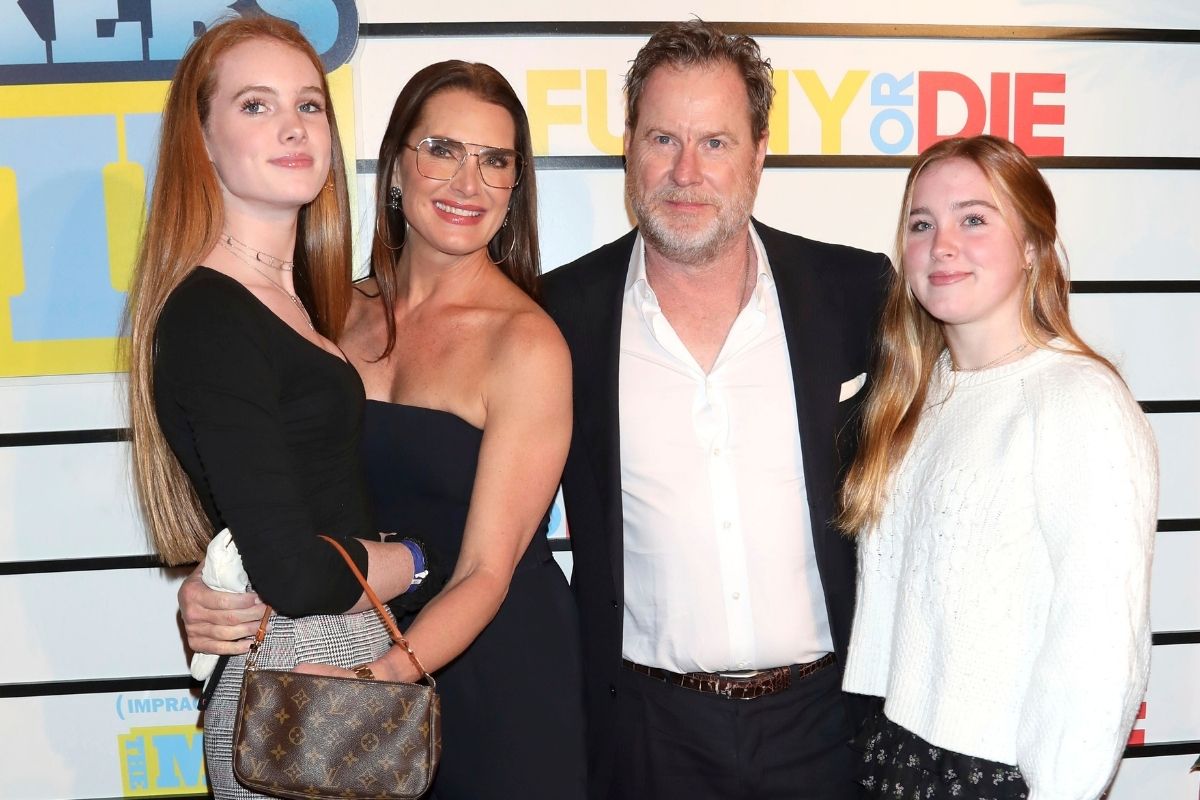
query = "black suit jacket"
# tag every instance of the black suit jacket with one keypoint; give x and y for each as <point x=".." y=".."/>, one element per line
<point x="829" y="297"/>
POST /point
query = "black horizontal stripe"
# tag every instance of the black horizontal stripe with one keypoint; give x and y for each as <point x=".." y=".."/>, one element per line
<point x="44" y="438"/>
<point x="368" y="166"/>
<point x="557" y="545"/>
<point x="106" y="435"/>
<point x="46" y="566"/>
<point x="1162" y="749"/>
<point x="1170" y="406"/>
<point x="1135" y="287"/>
<point x="96" y="686"/>
<point x="168" y="682"/>
<point x="370" y="30"/>
<point x="1176" y="637"/>
<point x="99" y="563"/>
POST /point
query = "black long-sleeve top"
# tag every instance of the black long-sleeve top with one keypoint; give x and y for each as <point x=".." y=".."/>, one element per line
<point x="266" y="425"/>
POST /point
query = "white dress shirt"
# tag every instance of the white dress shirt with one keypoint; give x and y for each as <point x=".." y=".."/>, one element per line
<point x="720" y="573"/>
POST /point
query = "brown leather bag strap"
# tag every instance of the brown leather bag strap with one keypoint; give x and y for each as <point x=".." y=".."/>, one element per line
<point x="252" y="656"/>
<point x="393" y="631"/>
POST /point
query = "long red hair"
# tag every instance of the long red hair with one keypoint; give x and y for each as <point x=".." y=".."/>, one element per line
<point x="185" y="218"/>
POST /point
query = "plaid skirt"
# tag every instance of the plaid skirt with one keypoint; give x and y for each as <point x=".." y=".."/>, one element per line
<point x="342" y="640"/>
<point x="896" y="764"/>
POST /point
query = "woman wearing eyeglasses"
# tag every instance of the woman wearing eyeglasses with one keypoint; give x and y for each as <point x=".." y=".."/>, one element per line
<point x="466" y="429"/>
<point x="467" y="426"/>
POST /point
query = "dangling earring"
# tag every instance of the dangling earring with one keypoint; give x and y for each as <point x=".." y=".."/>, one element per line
<point x="393" y="206"/>
<point x="496" y="238"/>
<point x="388" y="245"/>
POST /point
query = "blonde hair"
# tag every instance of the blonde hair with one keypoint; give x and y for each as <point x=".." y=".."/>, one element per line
<point x="184" y="220"/>
<point x="910" y="339"/>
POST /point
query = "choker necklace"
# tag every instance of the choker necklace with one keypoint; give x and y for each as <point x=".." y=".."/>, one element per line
<point x="254" y="265"/>
<point x="258" y="255"/>
<point x="1019" y="348"/>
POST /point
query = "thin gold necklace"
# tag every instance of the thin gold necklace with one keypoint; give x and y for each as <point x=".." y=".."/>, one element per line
<point x="254" y="266"/>
<point x="1019" y="348"/>
<point x="258" y="255"/>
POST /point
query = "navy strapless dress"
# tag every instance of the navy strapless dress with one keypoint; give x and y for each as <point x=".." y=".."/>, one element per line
<point x="512" y="703"/>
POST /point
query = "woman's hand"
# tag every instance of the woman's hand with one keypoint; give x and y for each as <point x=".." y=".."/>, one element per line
<point x="328" y="670"/>
<point x="386" y="668"/>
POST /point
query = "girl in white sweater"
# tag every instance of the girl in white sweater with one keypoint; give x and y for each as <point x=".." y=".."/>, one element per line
<point x="1005" y="495"/>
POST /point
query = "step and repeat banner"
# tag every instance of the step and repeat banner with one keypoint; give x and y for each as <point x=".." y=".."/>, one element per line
<point x="94" y="698"/>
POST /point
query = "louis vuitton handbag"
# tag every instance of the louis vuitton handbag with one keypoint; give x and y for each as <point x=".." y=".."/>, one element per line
<point x="309" y="736"/>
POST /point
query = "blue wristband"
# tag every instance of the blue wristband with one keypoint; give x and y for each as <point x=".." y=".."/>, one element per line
<point x="420" y="572"/>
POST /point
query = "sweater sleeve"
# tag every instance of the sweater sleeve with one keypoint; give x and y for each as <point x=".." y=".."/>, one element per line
<point x="1096" y="486"/>
<point x="215" y="368"/>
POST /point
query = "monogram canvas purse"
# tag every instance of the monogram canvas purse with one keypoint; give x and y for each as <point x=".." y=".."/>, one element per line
<point x="309" y="736"/>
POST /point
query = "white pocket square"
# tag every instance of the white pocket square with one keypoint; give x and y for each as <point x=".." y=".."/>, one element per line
<point x="852" y="387"/>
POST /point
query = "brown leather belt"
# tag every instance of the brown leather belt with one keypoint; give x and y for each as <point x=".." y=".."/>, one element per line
<point x="764" y="683"/>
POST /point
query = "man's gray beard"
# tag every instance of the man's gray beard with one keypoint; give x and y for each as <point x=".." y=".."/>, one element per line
<point x="693" y="248"/>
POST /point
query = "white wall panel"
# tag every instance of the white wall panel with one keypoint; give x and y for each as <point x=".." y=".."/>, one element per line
<point x="1164" y="778"/>
<point x="1178" y="438"/>
<point x="1172" y="704"/>
<point x="66" y="626"/>
<point x="582" y="210"/>
<point x="68" y="501"/>
<point x="1153" y="338"/>
<point x="1174" y="590"/>
<point x="1127" y="225"/>
<point x="62" y="402"/>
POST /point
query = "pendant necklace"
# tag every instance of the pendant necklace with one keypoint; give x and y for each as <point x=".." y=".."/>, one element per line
<point x="228" y="242"/>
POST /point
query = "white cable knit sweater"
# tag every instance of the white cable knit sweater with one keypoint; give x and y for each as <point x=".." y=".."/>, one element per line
<point x="1003" y="598"/>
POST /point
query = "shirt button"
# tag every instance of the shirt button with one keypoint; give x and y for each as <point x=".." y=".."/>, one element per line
<point x="726" y="524"/>
<point x="737" y="595"/>
<point x="615" y="604"/>
<point x="612" y="690"/>
<point x="716" y="451"/>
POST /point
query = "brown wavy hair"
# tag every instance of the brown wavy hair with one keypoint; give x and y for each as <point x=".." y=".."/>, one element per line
<point x="910" y="339"/>
<point x="185" y="217"/>
<point x="522" y="264"/>
<point x="696" y="43"/>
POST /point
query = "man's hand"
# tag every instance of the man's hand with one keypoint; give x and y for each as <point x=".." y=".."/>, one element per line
<point x="221" y="623"/>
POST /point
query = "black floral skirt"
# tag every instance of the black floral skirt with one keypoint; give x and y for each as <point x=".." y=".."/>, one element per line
<point x="896" y="764"/>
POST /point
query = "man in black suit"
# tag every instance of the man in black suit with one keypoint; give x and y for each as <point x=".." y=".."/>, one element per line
<point x="717" y="366"/>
